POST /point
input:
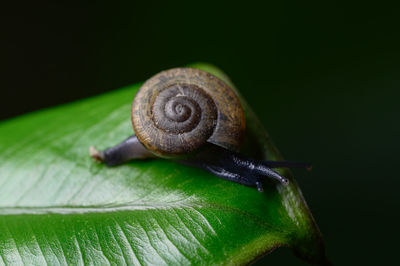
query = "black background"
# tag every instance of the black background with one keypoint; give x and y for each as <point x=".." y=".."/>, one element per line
<point x="326" y="71"/>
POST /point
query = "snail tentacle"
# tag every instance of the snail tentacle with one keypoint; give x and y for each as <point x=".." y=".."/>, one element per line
<point x="233" y="166"/>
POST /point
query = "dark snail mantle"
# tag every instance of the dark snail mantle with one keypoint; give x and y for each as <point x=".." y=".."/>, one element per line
<point x="190" y="116"/>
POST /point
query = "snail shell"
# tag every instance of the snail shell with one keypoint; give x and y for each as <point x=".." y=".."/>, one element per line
<point x="179" y="110"/>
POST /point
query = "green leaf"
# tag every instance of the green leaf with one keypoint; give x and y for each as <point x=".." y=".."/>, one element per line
<point x="59" y="207"/>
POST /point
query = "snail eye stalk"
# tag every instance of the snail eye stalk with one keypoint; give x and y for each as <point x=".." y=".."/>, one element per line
<point x="239" y="168"/>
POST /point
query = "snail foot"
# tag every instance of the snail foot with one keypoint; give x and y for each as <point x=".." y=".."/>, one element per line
<point x="96" y="155"/>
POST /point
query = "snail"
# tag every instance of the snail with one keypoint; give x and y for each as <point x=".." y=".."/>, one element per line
<point x="192" y="117"/>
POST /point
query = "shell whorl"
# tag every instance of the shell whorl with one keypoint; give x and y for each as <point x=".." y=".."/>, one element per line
<point x="179" y="110"/>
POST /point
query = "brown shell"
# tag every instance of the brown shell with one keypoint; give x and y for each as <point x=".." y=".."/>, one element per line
<point x="178" y="110"/>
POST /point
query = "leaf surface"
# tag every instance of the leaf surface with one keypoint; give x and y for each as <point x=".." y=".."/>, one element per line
<point x="59" y="207"/>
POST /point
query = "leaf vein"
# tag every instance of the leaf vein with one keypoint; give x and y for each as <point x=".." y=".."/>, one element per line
<point x="123" y="233"/>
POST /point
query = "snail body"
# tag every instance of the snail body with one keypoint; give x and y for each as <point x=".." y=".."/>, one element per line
<point x="191" y="116"/>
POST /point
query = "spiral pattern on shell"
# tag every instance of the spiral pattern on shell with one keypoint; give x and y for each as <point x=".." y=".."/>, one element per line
<point x="179" y="110"/>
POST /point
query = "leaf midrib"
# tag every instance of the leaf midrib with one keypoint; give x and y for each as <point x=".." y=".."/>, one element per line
<point x="127" y="207"/>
